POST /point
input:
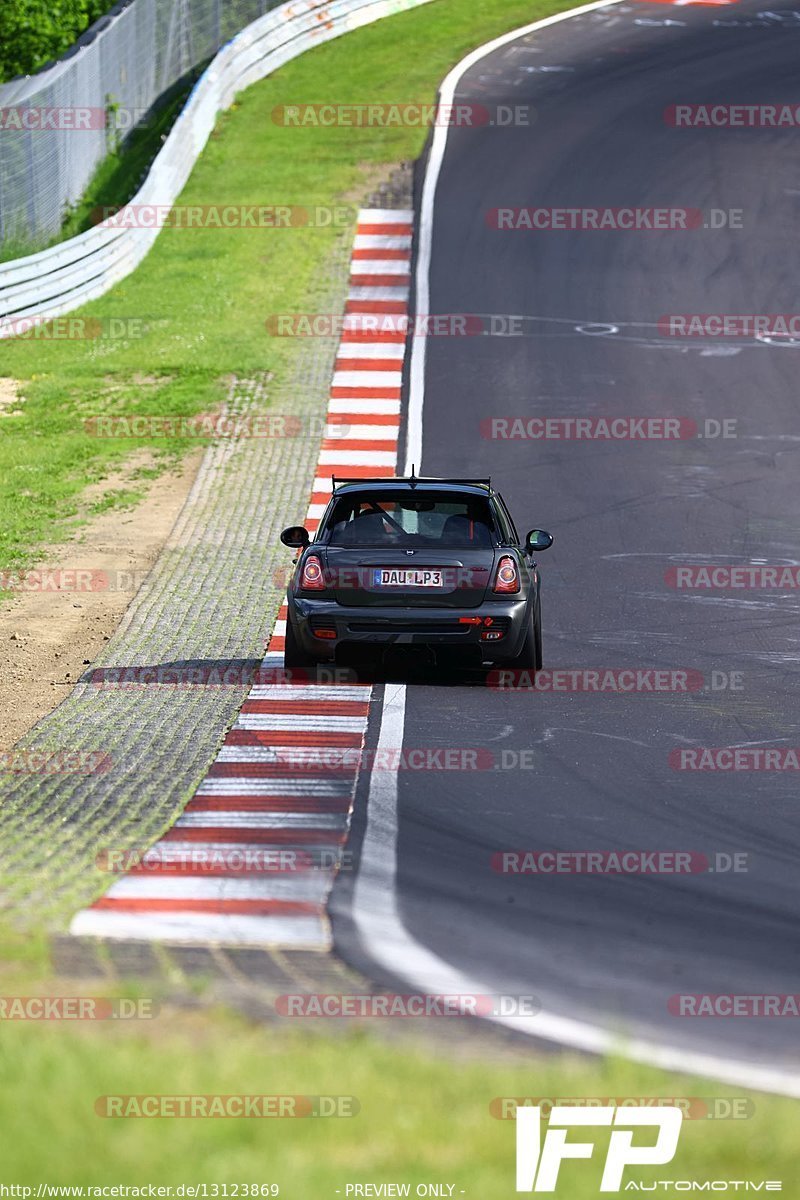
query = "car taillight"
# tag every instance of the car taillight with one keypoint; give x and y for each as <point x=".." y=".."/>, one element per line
<point x="506" y="581"/>
<point x="312" y="579"/>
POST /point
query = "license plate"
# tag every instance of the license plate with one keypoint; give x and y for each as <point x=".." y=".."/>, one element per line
<point x="402" y="577"/>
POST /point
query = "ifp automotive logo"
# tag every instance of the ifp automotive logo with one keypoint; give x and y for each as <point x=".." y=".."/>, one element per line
<point x="538" y="1163"/>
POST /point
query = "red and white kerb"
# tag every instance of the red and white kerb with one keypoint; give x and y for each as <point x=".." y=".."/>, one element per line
<point x="275" y="785"/>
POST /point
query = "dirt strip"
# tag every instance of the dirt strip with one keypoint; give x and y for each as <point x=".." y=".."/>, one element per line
<point x="62" y="612"/>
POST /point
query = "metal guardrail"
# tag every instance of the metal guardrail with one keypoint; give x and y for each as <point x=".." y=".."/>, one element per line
<point x="60" y="279"/>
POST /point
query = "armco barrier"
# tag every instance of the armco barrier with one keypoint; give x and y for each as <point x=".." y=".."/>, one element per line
<point x="58" y="280"/>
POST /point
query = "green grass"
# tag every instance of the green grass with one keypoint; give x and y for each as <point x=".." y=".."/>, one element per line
<point x="202" y="296"/>
<point x="122" y="172"/>
<point x="424" y="1115"/>
<point x="120" y="499"/>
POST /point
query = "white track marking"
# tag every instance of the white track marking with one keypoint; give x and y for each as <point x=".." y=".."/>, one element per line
<point x="398" y="295"/>
<point x="315" y="692"/>
<point x="390" y="352"/>
<point x="226" y="928"/>
<point x="246" y="785"/>
<point x="385" y="216"/>
<point x="390" y="378"/>
<point x="362" y="433"/>
<point x="376" y="408"/>
<point x="283" y="858"/>
<point x="293" y="721"/>
<point x="379" y="266"/>
<point x="383" y="241"/>
<point x="375" y="912"/>
<point x="254" y="820"/>
<point x="296" y="756"/>
<point x="357" y="458"/>
<point x="311" y="887"/>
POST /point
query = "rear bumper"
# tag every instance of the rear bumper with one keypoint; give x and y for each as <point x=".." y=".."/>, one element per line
<point x="439" y="628"/>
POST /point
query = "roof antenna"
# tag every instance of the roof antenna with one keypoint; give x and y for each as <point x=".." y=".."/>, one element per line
<point x="413" y="475"/>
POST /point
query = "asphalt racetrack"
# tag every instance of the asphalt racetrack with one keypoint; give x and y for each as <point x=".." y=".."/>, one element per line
<point x="595" y="771"/>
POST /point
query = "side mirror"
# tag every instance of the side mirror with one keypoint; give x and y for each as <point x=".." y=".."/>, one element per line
<point x="295" y="536"/>
<point x="538" y="540"/>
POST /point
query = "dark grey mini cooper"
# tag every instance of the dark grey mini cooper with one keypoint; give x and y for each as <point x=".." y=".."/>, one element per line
<point x="436" y="563"/>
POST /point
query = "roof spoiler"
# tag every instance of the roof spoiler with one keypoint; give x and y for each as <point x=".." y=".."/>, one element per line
<point x="411" y="479"/>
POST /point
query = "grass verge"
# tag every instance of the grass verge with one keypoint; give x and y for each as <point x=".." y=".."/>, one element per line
<point x="193" y="313"/>
<point x="423" y="1117"/>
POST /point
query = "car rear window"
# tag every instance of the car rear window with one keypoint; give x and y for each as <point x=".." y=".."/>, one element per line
<point x="412" y="519"/>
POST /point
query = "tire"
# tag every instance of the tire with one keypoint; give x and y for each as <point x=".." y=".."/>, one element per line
<point x="294" y="655"/>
